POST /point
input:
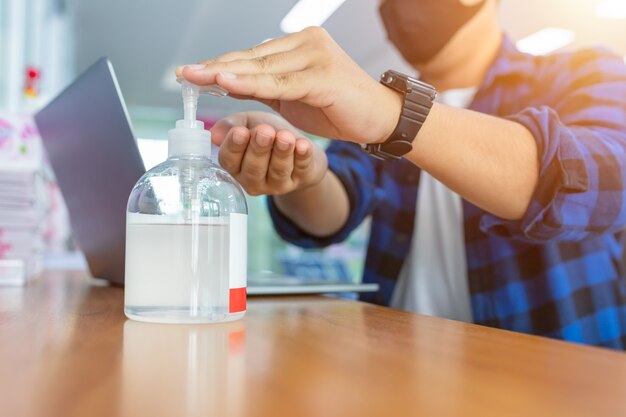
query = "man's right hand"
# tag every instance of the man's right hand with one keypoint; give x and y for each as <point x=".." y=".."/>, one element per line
<point x="267" y="155"/>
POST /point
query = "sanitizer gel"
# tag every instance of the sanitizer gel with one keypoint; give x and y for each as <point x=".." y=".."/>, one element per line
<point x="186" y="233"/>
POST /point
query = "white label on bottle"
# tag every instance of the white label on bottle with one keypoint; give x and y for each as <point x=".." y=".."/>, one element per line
<point x="238" y="241"/>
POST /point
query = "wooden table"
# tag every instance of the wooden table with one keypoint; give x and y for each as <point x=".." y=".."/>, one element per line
<point x="66" y="349"/>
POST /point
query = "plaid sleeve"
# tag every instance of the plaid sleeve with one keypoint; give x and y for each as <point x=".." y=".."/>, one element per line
<point x="582" y="151"/>
<point x="357" y="172"/>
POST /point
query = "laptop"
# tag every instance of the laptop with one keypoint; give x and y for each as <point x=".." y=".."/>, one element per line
<point x="93" y="152"/>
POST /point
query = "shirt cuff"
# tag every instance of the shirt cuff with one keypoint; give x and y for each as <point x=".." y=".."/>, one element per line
<point x="559" y="196"/>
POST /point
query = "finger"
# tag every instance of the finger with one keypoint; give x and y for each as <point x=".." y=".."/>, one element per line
<point x="281" y="161"/>
<point x="221" y="128"/>
<point x="280" y="63"/>
<point x="303" y="157"/>
<point x="290" y="61"/>
<point x="240" y="97"/>
<point x="273" y="46"/>
<point x="273" y="104"/>
<point x="257" y="157"/>
<point x="289" y="86"/>
<point x="233" y="149"/>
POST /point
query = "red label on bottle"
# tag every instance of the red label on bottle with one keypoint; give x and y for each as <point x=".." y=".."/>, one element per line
<point x="237" y="300"/>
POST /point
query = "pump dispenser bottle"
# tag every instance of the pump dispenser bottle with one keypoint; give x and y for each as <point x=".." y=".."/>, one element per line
<point x="186" y="233"/>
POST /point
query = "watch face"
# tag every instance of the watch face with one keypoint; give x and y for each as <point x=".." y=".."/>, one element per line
<point x="398" y="148"/>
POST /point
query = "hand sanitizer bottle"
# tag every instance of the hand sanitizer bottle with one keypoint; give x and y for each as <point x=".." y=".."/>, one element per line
<point x="186" y="233"/>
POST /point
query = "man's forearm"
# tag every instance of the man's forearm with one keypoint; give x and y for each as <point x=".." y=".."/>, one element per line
<point x="320" y="210"/>
<point x="489" y="161"/>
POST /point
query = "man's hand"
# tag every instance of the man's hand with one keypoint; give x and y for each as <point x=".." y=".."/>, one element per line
<point x="266" y="154"/>
<point x="311" y="82"/>
<point x="306" y="77"/>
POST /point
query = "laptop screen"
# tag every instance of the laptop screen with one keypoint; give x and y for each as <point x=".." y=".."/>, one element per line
<point x="89" y="141"/>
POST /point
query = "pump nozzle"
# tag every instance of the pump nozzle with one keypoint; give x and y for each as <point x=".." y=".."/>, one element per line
<point x="190" y="99"/>
<point x="190" y="103"/>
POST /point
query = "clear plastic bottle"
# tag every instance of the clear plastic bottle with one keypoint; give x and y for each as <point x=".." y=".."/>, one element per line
<point x="186" y="234"/>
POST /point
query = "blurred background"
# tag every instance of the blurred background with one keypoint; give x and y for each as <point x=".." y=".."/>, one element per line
<point x="44" y="44"/>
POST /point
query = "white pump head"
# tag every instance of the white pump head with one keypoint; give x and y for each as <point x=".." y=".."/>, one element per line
<point x="190" y="103"/>
<point x="190" y="98"/>
<point x="189" y="136"/>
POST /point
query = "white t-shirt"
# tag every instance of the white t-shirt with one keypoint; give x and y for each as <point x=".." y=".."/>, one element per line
<point x="433" y="279"/>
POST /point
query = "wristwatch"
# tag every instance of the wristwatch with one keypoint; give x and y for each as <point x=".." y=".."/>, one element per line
<point x="418" y="100"/>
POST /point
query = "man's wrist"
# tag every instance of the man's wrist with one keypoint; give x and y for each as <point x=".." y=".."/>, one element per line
<point x="391" y="109"/>
<point x="415" y="99"/>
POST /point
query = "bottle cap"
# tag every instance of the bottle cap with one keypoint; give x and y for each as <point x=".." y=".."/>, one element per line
<point x="185" y="140"/>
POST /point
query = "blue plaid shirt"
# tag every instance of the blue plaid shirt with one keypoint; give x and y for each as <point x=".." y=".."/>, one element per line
<point x="555" y="271"/>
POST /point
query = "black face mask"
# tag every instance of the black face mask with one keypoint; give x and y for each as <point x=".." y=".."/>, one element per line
<point x="421" y="28"/>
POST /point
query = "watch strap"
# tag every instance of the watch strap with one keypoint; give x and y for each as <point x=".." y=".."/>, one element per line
<point x="418" y="100"/>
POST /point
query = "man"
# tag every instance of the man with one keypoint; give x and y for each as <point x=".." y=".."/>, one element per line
<point x="539" y="159"/>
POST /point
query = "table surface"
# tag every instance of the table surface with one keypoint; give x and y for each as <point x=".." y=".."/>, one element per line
<point x="66" y="349"/>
